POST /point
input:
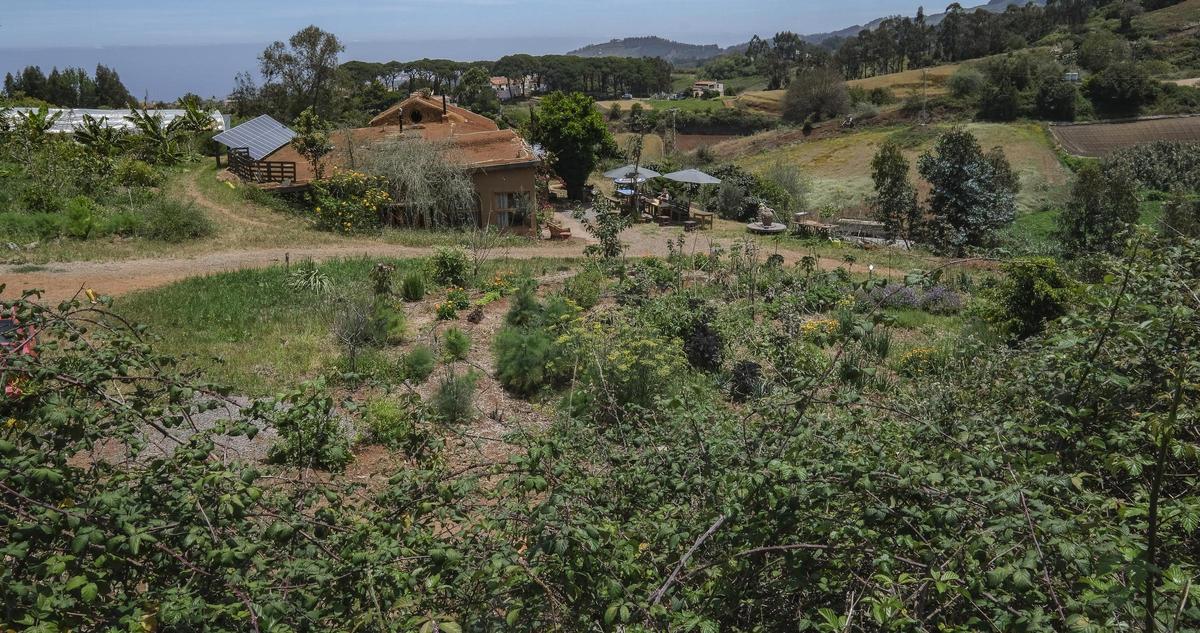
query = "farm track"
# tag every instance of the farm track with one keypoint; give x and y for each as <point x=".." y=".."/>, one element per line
<point x="63" y="280"/>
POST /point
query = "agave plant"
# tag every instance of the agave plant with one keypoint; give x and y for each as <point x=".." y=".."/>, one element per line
<point x="159" y="141"/>
<point x="102" y="139"/>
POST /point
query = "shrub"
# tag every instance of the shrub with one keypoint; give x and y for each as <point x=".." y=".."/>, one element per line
<point x="454" y="400"/>
<point x="941" y="300"/>
<point x="446" y="311"/>
<point x="348" y="202"/>
<point x="174" y="221"/>
<point x="818" y="93"/>
<point x="457" y="344"/>
<point x="310" y="435"/>
<point x="80" y="218"/>
<point x="123" y="223"/>
<point x="131" y="172"/>
<point x="966" y="82"/>
<point x="1033" y="292"/>
<point x="877" y="342"/>
<point x="459" y="298"/>
<point x="585" y="288"/>
<point x="391" y="324"/>
<point x="746" y="382"/>
<point x="355" y="326"/>
<point x="919" y="361"/>
<point x="418" y="364"/>
<point x="525" y="309"/>
<point x="450" y="266"/>
<point x="392" y="422"/>
<point x="703" y="346"/>
<point x="521" y="358"/>
<point x="413" y="286"/>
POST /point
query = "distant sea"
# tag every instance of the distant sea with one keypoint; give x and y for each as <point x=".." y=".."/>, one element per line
<point x="167" y="72"/>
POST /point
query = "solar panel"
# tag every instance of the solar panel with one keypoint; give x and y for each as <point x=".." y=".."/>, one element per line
<point x="262" y="136"/>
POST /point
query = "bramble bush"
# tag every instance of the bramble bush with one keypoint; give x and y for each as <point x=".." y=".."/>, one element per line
<point x="1051" y="486"/>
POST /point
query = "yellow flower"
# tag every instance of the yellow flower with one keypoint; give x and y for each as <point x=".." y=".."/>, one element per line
<point x="11" y="423"/>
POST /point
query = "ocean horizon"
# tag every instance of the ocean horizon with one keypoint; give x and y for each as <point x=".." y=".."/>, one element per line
<point x="165" y="73"/>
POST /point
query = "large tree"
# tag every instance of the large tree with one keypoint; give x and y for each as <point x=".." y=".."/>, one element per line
<point x="474" y="92"/>
<point x="300" y="73"/>
<point x="571" y="128"/>
<point x="972" y="193"/>
<point x="895" y="199"/>
<point x="1103" y="205"/>
<point x="819" y="93"/>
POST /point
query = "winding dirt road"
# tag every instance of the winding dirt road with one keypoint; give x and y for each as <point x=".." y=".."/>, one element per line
<point x="63" y="280"/>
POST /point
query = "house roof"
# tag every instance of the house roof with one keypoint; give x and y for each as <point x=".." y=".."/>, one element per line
<point x="262" y="136"/>
<point x="477" y="141"/>
<point x="434" y="111"/>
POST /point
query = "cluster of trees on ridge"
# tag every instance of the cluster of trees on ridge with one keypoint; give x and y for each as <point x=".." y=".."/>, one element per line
<point x="68" y="88"/>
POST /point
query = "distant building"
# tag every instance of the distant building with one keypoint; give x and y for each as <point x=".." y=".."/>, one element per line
<point x="502" y="165"/>
<point x="701" y="88"/>
<point x="1072" y="76"/>
<point x="507" y="89"/>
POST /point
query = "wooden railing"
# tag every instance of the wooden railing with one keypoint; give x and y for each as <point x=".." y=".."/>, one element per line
<point x="252" y="170"/>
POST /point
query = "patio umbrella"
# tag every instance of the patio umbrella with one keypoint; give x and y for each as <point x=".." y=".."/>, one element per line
<point x="629" y="181"/>
<point x="693" y="177"/>
<point x="629" y="170"/>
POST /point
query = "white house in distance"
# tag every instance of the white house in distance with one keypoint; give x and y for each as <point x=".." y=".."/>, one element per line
<point x="507" y="89"/>
<point x="700" y="88"/>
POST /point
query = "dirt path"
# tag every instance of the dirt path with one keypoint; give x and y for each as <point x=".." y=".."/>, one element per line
<point x="59" y="281"/>
<point x="192" y="191"/>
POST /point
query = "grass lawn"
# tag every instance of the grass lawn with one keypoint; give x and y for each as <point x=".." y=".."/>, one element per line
<point x="840" y="167"/>
<point x="248" y="331"/>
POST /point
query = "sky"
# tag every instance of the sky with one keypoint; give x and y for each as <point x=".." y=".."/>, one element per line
<point x="91" y="23"/>
<point x="166" y="48"/>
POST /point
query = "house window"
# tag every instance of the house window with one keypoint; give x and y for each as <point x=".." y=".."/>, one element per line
<point x="509" y="209"/>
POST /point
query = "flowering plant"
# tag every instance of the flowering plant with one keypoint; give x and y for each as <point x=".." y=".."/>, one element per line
<point x="348" y="202"/>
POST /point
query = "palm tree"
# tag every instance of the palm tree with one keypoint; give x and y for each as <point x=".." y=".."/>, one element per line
<point x="99" y="137"/>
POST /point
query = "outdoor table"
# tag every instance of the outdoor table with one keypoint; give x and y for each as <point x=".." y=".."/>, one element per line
<point x="705" y="218"/>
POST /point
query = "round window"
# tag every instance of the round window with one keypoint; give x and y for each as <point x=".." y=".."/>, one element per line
<point x="416" y="116"/>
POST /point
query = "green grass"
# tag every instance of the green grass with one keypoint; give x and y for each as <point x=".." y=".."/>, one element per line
<point x="924" y="322"/>
<point x="248" y="331"/>
<point x="1037" y="226"/>
<point x="687" y="105"/>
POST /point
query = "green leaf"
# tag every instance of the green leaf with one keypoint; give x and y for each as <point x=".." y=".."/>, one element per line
<point x="89" y="591"/>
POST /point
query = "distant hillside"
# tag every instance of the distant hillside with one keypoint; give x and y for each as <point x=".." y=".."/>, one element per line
<point x="995" y="6"/>
<point x="652" y="46"/>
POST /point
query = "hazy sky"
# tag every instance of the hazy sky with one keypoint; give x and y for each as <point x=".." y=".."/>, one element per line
<point x="89" y="23"/>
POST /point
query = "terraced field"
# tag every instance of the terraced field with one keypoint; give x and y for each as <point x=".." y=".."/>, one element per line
<point x="1098" y="139"/>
